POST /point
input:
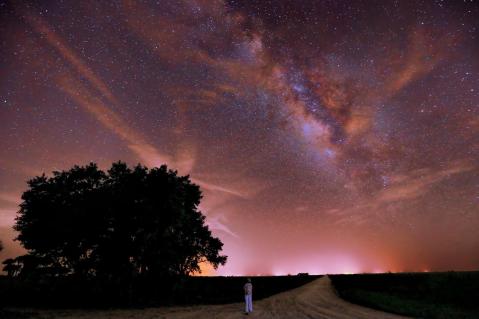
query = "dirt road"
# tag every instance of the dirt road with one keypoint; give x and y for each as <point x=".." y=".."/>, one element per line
<point x="314" y="300"/>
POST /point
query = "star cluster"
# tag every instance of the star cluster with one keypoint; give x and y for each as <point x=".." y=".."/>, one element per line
<point x="327" y="136"/>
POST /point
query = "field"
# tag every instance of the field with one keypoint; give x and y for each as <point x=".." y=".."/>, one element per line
<point x="316" y="299"/>
<point x="421" y="295"/>
<point x="71" y="293"/>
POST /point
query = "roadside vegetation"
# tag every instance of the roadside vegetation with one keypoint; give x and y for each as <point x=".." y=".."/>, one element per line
<point x="64" y="293"/>
<point x="420" y="295"/>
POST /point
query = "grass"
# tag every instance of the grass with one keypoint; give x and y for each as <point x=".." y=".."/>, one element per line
<point x="222" y="290"/>
<point x="66" y="293"/>
<point x="420" y="295"/>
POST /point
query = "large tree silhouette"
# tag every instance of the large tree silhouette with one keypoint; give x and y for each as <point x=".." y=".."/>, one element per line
<point x="123" y="222"/>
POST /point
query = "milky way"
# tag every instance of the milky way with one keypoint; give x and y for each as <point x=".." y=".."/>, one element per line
<point x="327" y="136"/>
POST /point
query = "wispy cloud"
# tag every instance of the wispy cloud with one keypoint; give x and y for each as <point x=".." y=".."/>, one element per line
<point x="20" y="169"/>
<point x="403" y="189"/>
<point x="422" y="55"/>
<point x="41" y="26"/>
<point x="10" y="198"/>
<point x="214" y="187"/>
<point x="218" y="222"/>
<point x="7" y="217"/>
<point x="136" y="142"/>
<point x="419" y="182"/>
<point x="90" y="98"/>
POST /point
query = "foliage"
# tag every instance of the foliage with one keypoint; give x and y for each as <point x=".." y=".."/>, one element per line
<point x="116" y="225"/>
<point x="424" y="295"/>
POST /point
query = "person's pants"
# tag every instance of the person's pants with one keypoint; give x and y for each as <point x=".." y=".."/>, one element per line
<point x="248" y="303"/>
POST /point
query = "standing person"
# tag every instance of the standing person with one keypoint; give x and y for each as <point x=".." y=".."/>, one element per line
<point x="248" y="296"/>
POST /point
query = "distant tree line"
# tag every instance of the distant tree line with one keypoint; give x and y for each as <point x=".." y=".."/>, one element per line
<point x="122" y="224"/>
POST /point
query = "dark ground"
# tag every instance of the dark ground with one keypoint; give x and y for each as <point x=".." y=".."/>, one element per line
<point x="420" y="295"/>
<point x="71" y="293"/>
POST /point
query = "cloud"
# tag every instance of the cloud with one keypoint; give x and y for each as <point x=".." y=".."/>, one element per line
<point x="9" y="202"/>
<point x="233" y="182"/>
<point x="20" y="169"/>
<point x="214" y="187"/>
<point x="92" y="100"/>
<point x="187" y="33"/>
<point x="41" y="27"/>
<point x="422" y="55"/>
<point x="10" y="198"/>
<point x="136" y="142"/>
<point x="7" y="217"/>
<point x="403" y="188"/>
<point x="218" y="222"/>
<point x="419" y="182"/>
<point x="184" y="157"/>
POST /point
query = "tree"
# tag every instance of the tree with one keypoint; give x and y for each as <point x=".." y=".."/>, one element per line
<point x="11" y="267"/>
<point x="123" y="222"/>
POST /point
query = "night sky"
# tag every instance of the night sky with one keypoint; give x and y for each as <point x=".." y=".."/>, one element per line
<point x="327" y="136"/>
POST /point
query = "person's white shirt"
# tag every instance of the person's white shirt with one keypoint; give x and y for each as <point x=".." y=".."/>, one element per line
<point x="248" y="289"/>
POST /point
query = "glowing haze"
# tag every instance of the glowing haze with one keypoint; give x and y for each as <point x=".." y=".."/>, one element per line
<point x="327" y="136"/>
